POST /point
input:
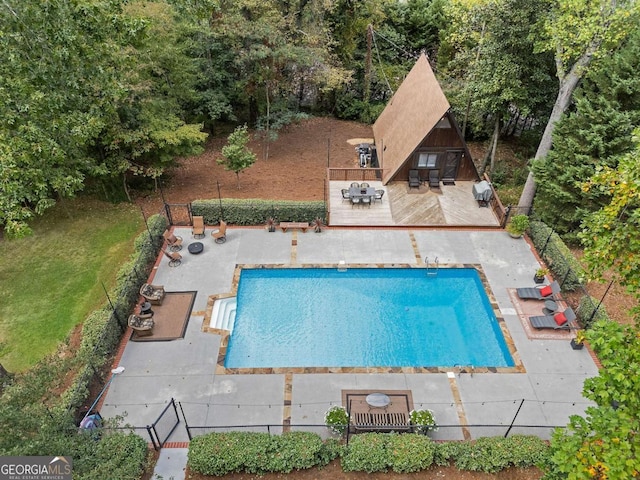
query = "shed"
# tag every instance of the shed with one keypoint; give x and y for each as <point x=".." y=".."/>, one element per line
<point x="417" y="130"/>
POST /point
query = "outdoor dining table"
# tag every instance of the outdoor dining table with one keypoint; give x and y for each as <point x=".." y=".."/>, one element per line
<point x="358" y="192"/>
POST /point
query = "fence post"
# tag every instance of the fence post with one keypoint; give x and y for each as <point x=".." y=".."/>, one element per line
<point x="514" y="419"/>
<point x="186" y="424"/>
<point x="546" y="243"/>
<point x="156" y="446"/>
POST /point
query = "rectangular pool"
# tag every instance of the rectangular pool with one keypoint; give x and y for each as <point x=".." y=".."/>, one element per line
<point x="364" y="317"/>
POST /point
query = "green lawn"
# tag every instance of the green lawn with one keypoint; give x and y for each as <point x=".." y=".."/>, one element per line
<point x="50" y="281"/>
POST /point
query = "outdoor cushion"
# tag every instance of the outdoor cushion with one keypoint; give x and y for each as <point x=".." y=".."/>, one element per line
<point x="546" y="291"/>
<point x="560" y="318"/>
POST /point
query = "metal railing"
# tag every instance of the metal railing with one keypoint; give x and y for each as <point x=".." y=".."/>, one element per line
<point x="354" y="174"/>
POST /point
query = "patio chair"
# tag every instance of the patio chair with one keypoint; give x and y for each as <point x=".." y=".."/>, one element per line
<point x="154" y="294"/>
<point x="557" y="321"/>
<point x="220" y="235"/>
<point x="173" y="242"/>
<point x="434" y="179"/>
<point x="355" y="201"/>
<point x="366" y="201"/>
<point x="414" y="179"/>
<point x="175" y="258"/>
<point x="364" y="185"/>
<point x="197" y="230"/>
<point x="539" y="293"/>
<point x="355" y="185"/>
<point x="345" y="194"/>
<point x="379" y="195"/>
<point x="142" y="324"/>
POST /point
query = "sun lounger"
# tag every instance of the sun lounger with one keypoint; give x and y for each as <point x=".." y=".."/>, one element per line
<point x="539" y="293"/>
<point x="557" y="321"/>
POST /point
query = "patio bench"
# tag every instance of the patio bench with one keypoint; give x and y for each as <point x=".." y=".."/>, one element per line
<point x="301" y="225"/>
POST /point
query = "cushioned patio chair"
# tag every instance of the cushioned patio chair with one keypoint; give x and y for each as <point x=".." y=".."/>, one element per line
<point x="220" y="235"/>
<point x="378" y="196"/>
<point x="414" y="179"/>
<point x="142" y="324"/>
<point x="364" y="185"/>
<point x="197" y="230"/>
<point x="539" y="293"/>
<point x="355" y="185"/>
<point x="175" y="258"/>
<point x="434" y="179"/>
<point x="154" y="294"/>
<point x="345" y="194"/>
<point x="557" y="321"/>
<point x="173" y="242"/>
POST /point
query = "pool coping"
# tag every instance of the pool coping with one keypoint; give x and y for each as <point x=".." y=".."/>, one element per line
<point x="225" y="334"/>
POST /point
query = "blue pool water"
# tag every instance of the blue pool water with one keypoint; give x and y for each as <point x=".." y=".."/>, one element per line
<point x="364" y="318"/>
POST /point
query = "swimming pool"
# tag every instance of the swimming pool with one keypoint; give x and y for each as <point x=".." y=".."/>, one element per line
<point x="364" y="317"/>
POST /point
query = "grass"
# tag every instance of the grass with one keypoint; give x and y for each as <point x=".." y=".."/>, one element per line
<point x="50" y="281"/>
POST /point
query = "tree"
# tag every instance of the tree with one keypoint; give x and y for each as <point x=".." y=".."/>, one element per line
<point x="577" y="31"/>
<point x="237" y="156"/>
<point x="604" y="444"/>
<point x="597" y="131"/>
<point x="494" y="53"/>
<point x="610" y="235"/>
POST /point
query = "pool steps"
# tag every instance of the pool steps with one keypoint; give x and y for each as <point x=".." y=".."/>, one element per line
<point x="223" y="314"/>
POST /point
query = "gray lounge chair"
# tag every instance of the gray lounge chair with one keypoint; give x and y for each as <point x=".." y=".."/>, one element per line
<point x="557" y="321"/>
<point x="539" y="293"/>
<point x="434" y="179"/>
<point x="414" y="179"/>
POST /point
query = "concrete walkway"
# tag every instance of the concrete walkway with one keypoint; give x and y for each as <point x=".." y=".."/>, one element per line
<point x="545" y="394"/>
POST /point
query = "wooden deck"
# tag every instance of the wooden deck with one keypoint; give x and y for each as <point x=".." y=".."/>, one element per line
<point x="450" y="205"/>
<point x="363" y="417"/>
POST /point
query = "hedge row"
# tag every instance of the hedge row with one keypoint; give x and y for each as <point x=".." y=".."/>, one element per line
<point x="256" y="212"/>
<point x="557" y="256"/>
<point x="560" y="260"/>
<point x="260" y="453"/>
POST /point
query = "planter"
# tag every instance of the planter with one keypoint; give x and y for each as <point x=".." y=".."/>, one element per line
<point x="538" y="279"/>
<point x="575" y="345"/>
<point x="514" y="235"/>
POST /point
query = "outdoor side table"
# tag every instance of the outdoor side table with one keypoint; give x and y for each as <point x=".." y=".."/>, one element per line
<point x="195" y="248"/>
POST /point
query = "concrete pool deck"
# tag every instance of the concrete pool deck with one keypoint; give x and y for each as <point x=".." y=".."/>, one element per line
<point x="544" y="394"/>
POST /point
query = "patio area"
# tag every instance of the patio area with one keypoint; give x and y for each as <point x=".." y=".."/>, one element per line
<point x="467" y="402"/>
<point x="450" y="205"/>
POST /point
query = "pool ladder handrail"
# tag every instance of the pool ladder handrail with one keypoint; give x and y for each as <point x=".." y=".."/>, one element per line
<point x="432" y="271"/>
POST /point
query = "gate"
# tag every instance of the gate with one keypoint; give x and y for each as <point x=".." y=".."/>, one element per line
<point x="178" y="213"/>
<point x="165" y="424"/>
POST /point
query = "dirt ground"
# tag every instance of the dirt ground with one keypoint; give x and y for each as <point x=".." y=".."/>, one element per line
<point x="334" y="472"/>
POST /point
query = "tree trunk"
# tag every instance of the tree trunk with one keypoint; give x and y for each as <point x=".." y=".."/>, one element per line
<point x="267" y="135"/>
<point x="490" y="156"/>
<point x="568" y="84"/>
<point x="238" y="179"/>
<point x="126" y="187"/>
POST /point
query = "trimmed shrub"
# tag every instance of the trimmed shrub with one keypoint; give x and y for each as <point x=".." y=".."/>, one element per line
<point x="492" y="454"/>
<point x="446" y="452"/>
<point x="586" y="308"/>
<point x="259" y="453"/>
<point x="367" y="453"/>
<point x="410" y="452"/>
<point x="557" y="256"/>
<point x="255" y="212"/>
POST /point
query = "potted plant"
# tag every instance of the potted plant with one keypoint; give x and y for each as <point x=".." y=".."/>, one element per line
<point x="317" y="225"/>
<point x="518" y="225"/>
<point x="423" y="421"/>
<point x="540" y="274"/>
<point x="578" y="342"/>
<point x="337" y="419"/>
<point x="270" y="224"/>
